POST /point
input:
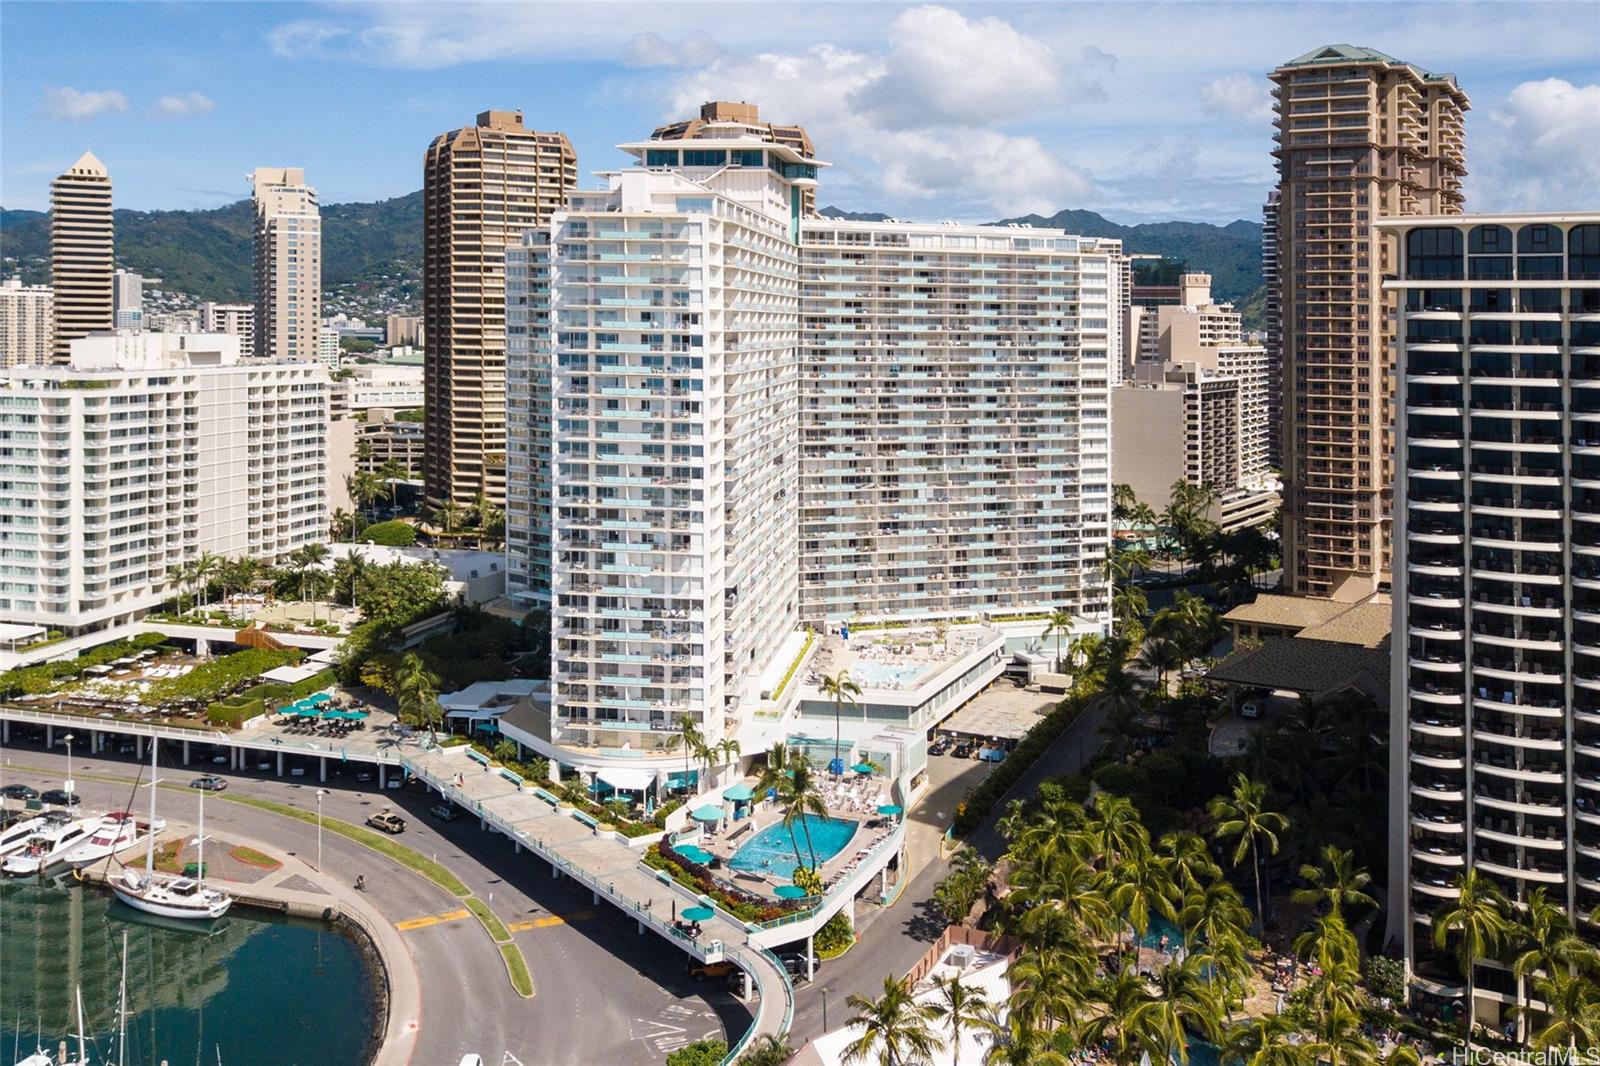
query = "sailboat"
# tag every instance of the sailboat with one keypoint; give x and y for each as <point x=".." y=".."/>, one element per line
<point x="170" y="895"/>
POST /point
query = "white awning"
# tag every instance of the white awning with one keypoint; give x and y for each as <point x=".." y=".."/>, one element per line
<point x="288" y="675"/>
<point x="627" y="777"/>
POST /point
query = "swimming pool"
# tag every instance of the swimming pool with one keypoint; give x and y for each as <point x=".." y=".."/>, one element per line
<point x="882" y="675"/>
<point x="770" y="852"/>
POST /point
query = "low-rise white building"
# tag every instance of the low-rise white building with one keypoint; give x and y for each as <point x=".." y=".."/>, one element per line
<point x="144" y="452"/>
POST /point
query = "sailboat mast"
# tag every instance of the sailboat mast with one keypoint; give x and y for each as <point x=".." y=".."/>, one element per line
<point x="150" y="848"/>
<point x="122" y="1007"/>
<point x="83" y="1053"/>
<point x="200" y="858"/>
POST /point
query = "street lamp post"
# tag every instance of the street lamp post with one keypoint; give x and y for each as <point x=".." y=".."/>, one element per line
<point x="67" y="740"/>
<point x="320" y="793"/>
<point x="824" y="1008"/>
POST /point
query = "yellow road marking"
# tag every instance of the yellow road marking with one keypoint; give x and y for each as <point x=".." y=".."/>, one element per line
<point x="545" y="923"/>
<point x="432" y="919"/>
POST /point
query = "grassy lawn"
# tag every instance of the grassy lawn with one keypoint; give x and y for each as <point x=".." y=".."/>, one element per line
<point x="517" y="967"/>
<point x="252" y="857"/>
<point x="379" y="842"/>
<point x="495" y="926"/>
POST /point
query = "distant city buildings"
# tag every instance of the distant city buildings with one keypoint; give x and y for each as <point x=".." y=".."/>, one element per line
<point x="483" y="186"/>
<point x="1495" y="739"/>
<point x="384" y="439"/>
<point x="954" y="418"/>
<point x="27" y="323"/>
<point x="1361" y="136"/>
<point x="288" y="265"/>
<point x="403" y="330"/>
<point x="378" y="384"/>
<point x="80" y="254"/>
<point x="328" y="347"/>
<point x="144" y="452"/>
<point x="127" y="300"/>
<point x="237" y="319"/>
<point x="1196" y="408"/>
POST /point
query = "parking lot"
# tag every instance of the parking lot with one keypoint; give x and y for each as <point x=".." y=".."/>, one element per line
<point x="1002" y="712"/>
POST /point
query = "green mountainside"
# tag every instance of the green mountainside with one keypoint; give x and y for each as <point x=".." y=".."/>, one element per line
<point x="208" y="253"/>
<point x="377" y="247"/>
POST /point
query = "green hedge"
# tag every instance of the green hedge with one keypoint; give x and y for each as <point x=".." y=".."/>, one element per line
<point x="47" y="677"/>
<point x="276" y="694"/>
<point x="982" y="799"/>
<point x="235" y="710"/>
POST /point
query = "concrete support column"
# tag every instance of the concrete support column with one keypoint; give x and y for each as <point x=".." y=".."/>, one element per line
<point x="280" y="764"/>
<point x="202" y="648"/>
<point x="138" y="748"/>
<point x="555" y="771"/>
<point x="383" y="777"/>
<point x="555" y="872"/>
<point x="186" y="753"/>
<point x="94" y="742"/>
<point x="5" y="731"/>
<point x="49" y="736"/>
<point x="322" y="768"/>
<point x="596" y="896"/>
<point x="849" y="913"/>
<point x="516" y="847"/>
<point x="810" y="966"/>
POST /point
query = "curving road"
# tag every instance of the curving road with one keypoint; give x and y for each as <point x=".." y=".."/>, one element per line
<point x="631" y="992"/>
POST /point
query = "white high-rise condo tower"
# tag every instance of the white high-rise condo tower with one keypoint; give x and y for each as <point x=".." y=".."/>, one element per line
<point x="1495" y="743"/>
<point x="288" y="260"/>
<point x="653" y="439"/>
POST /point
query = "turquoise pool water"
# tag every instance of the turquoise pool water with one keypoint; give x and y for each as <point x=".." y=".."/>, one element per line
<point x="770" y="852"/>
<point x="881" y="675"/>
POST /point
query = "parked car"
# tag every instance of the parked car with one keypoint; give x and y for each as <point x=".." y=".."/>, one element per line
<point x="364" y="775"/>
<point x="701" y="971"/>
<point x="19" y="792"/>
<point x="1250" y="709"/>
<point x="219" y="760"/>
<point x="964" y="750"/>
<point x="210" y="782"/>
<point x="940" y="746"/>
<point x="445" y="812"/>
<point x="388" y="821"/>
<point x="297" y="771"/>
<point x="795" y="963"/>
<point x="61" y="797"/>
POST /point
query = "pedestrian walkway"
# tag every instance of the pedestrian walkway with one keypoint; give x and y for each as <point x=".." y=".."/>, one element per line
<point x="575" y="846"/>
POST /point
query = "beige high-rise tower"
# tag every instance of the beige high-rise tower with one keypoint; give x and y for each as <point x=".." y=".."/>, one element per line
<point x="80" y="253"/>
<point x="288" y="260"/>
<point x="483" y="186"/>
<point x="1360" y="136"/>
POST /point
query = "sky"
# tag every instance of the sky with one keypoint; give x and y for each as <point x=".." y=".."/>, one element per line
<point x="1143" y="112"/>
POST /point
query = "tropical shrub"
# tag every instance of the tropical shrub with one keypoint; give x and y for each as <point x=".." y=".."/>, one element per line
<point x="235" y="710"/>
<point x="390" y="534"/>
<point x="835" y="937"/>
<point x="219" y="677"/>
<point x="48" y="677"/>
<point x="699" y="1053"/>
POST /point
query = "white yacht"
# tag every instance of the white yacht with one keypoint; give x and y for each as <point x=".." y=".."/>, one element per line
<point x="169" y="895"/>
<point x="17" y="833"/>
<point x="43" y="849"/>
<point x="117" y="833"/>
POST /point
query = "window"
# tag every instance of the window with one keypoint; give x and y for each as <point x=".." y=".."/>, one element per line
<point x="704" y="157"/>
<point x="661" y="157"/>
<point x="749" y="157"/>
<point x="1489" y="240"/>
<point x="1433" y="252"/>
<point x="1583" y="253"/>
<point x="1539" y="239"/>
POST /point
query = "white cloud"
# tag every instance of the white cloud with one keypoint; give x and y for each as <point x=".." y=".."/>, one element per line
<point x="304" y="38"/>
<point x="184" y="104"/>
<point x="654" y="50"/>
<point x="1541" y="152"/>
<point x="921" y="123"/>
<point x="78" y="105"/>
<point x="1239" y="96"/>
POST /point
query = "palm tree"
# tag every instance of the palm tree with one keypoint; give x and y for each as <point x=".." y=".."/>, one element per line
<point x="777" y="769"/>
<point x="1212" y="915"/>
<point x="448" y="515"/>
<point x="417" y="691"/>
<point x="1264" y="1041"/>
<point x="1119" y="694"/>
<point x="1572" y="1013"/>
<point x="351" y="571"/>
<point x="1191" y="859"/>
<point x="767" y="1050"/>
<point x="1477" y="922"/>
<point x="895" y="1026"/>
<point x="1046" y="987"/>
<point x="1184" y="1002"/>
<point x="962" y="1008"/>
<point x="1549" y="942"/>
<point x="1116" y="830"/>
<point x="1244" y="814"/>
<point x="1162" y="656"/>
<point x="306" y="562"/>
<point x="800" y="797"/>
<point x="1337" y="881"/>
<point x="841" y="689"/>
<point x="1117" y="1016"/>
<point x="1017" y="1043"/>
<point x="1060" y="625"/>
<point x="694" y="742"/>
<point x="1141" y="887"/>
<point x="729" y="750"/>
<point x="205" y="568"/>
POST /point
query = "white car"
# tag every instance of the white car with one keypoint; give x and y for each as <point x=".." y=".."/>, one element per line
<point x="1250" y="709"/>
<point x="297" y="771"/>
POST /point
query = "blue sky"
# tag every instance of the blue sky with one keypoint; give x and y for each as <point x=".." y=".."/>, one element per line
<point x="1140" y="111"/>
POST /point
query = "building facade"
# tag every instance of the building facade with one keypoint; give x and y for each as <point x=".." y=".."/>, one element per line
<point x="724" y="119"/>
<point x="127" y="300"/>
<point x="80" y="254"/>
<point x="655" y="404"/>
<point x="402" y="330"/>
<point x="237" y="319"/>
<point x="955" y="451"/>
<point x="1495" y="750"/>
<point x="1361" y="137"/>
<point x="27" y="323"/>
<point x="483" y="186"/>
<point x="288" y="265"/>
<point x="1273" y="340"/>
<point x="328" y="351"/>
<point x="149" y="449"/>
<point x="383" y="439"/>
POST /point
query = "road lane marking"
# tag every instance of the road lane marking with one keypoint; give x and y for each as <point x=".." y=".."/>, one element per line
<point x="431" y="919"/>
<point x="545" y="923"/>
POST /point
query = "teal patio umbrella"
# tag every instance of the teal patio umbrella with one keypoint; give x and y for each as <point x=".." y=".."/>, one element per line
<point x="862" y="768"/>
<point x="891" y="809"/>
<point x="708" y="813"/>
<point x="738" y="793"/>
<point x="699" y="914"/>
<point x="790" y="892"/>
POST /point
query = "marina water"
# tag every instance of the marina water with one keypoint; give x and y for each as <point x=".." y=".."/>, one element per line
<point x="245" y="990"/>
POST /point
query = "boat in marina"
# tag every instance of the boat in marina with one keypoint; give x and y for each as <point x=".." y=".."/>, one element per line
<point x="56" y="833"/>
<point x="171" y="895"/>
<point x="118" y="832"/>
<point x="16" y="834"/>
